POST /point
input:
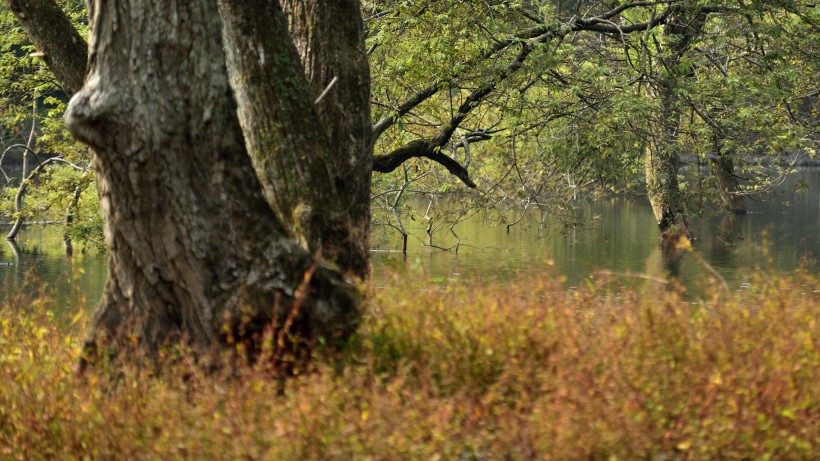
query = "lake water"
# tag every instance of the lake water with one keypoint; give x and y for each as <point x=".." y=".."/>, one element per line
<point x="614" y="234"/>
<point x="618" y="235"/>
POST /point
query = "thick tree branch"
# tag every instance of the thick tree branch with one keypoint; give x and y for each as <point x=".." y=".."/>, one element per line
<point x="431" y="148"/>
<point x="604" y="26"/>
<point x="389" y="119"/>
<point x="544" y="31"/>
<point x="421" y="148"/>
<point x="65" y="51"/>
<point x="478" y="95"/>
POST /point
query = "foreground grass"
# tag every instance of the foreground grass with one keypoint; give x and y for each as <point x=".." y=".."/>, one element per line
<point x="521" y="371"/>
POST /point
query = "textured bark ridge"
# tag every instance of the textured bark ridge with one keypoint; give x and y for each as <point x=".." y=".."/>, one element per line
<point x="292" y="153"/>
<point x="329" y="36"/>
<point x="193" y="242"/>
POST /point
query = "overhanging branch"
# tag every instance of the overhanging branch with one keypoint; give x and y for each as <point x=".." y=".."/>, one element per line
<point x="537" y="34"/>
<point x="421" y="148"/>
<point x="431" y="148"/>
<point x="543" y="31"/>
<point x="64" y="50"/>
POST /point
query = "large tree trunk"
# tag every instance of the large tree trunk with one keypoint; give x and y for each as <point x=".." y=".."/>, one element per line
<point x="279" y="121"/>
<point x="193" y="243"/>
<point x="329" y="35"/>
<point x="290" y="149"/>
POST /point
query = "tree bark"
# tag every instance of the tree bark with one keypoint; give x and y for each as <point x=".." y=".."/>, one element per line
<point x="284" y="135"/>
<point x="661" y="168"/>
<point x="329" y="36"/>
<point x="723" y="169"/>
<point x="193" y="243"/>
<point x="65" y="51"/>
<point x="663" y="155"/>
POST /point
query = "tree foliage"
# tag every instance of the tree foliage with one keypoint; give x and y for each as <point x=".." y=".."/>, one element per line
<point x="533" y="101"/>
<point x="584" y="104"/>
<point x="30" y="95"/>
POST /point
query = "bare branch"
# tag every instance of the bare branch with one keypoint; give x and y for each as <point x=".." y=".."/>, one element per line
<point x="326" y="91"/>
<point x="18" y="198"/>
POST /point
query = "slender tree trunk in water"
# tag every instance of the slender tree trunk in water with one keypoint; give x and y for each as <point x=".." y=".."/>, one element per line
<point x="31" y="144"/>
<point x="329" y="35"/>
<point x="723" y="169"/>
<point x="663" y="156"/>
<point x="724" y="242"/>
<point x="284" y="134"/>
<point x="661" y="167"/>
<point x="193" y="243"/>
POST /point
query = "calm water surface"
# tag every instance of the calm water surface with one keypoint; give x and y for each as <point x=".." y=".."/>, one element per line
<point x="620" y="235"/>
<point x="614" y="234"/>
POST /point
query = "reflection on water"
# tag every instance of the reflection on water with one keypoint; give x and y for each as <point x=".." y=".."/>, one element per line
<point x="619" y="235"/>
<point x="614" y="234"/>
<point x="38" y="262"/>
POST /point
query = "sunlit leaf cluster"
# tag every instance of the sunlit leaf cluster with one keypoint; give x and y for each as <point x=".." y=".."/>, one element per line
<point x="579" y="113"/>
<point x="31" y="125"/>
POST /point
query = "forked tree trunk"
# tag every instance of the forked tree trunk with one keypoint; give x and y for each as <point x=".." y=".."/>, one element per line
<point x="290" y="147"/>
<point x="277" y="115"/>
<point x="193" y="242"/>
